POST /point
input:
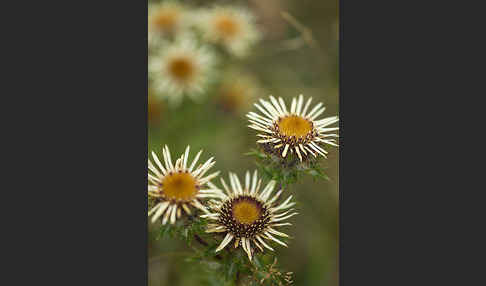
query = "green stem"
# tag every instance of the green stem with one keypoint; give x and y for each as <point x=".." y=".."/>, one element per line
<point x="238" y="278"/>
<point x="201" y="241"/>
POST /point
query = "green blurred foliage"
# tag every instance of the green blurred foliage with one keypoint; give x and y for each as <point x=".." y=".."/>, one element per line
<point x="286" y="67"/>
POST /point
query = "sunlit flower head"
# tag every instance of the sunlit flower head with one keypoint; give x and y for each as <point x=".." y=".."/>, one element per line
<point x="246" y="216"/>
<point x="181" y="68"/>
<point x="232" y="27"/>
<point x="178" y="187"/>
<point x="295" y="132"/>
<point x="237" y="91"/>
<point x="167" y="18"/>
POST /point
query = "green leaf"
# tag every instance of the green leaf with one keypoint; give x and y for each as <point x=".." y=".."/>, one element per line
<point x="164" y="231"/>
<point x="257" y="262"/>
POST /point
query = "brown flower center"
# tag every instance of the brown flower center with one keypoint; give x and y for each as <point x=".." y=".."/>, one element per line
<point x="179" y="186"/>
<point x="181" y="68"/>
<point x="294" y="125"/>
<point x="226" y="26"/>
<point x="234" y="96"/>
<point x="246" y="211"/>
<point x="154" y="108"/>
<point x="166" y="19"/>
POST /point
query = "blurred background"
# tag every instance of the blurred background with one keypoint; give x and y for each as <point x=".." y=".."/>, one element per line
<point x="287" y="62"/>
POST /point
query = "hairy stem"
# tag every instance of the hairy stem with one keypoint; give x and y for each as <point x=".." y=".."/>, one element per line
<point x="238" y="278"/>
<point x="201" y="241"/>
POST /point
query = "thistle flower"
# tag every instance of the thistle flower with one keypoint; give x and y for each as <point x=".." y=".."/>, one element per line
<point x="166" y="18"/>
<point x="181" y="68"/>
<point x="176" y="187"/>
<point x="232" y="27"/>
<point x="237" y="90"/>
<point x="295" y="131"/>
<point x="248" y="216"/>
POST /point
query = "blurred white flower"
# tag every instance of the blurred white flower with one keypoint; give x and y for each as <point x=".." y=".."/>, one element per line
<point x="233" y="27"/>
<point x="238" y="89"/>
<point x="166" y="18"/>
<point x="182" y="67"/>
